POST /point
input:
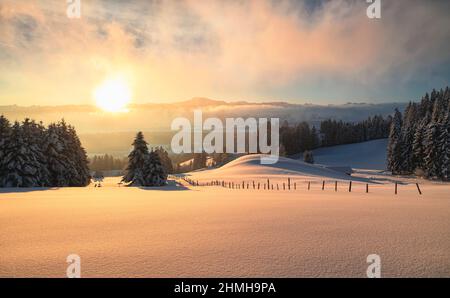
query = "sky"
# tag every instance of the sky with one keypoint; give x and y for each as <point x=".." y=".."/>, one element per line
<point x="308" y="51"/>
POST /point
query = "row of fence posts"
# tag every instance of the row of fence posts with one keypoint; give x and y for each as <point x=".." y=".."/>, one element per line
<point x="270" y="186"/>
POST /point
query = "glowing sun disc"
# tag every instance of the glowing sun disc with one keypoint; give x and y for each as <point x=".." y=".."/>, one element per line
<point x="113" y="95"/>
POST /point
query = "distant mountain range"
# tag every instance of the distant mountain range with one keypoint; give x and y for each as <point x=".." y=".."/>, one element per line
<point x="158" y="116"/>
<point x="103" y="132"/>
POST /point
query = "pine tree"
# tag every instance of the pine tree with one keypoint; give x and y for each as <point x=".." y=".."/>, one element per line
<point x="443" y="144"/>
<point x="432" y="150"/>
<point x="22" y="164"/>
<point x="165" y="160"/>
<point x="79" y="159"/>
<point x="314" y="138"/>
<point x="155" y="174"/>
<point x="394" y="152"/>
<point x="5" y="132"/>
<point x="34" y="135"/>
<point x="408" y="129"/>
<point x="58" y="164"/>
<point x="137" y="160"/>
<point x="418" y="152"/>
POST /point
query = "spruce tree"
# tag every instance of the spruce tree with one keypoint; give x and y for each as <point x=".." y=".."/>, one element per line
<point x="58" y="164"/>
<point x="137" y="160"/>
<point x="165" y="160"/>
<point x="444" y="148"/>
<point x="34" y="134"/>
<point x="5" y="132"/>
<point x="408" y="130"/>
<point x="23" y="169"/>
<point x="432" y="150"/>
<point x="79" y="159"/>
<point x="418" y="152"/>
<point x="394" y="153"/>
<point x="155" y="174"/>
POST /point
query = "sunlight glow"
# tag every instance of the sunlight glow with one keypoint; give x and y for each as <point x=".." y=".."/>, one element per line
<point x="113" y="95"/>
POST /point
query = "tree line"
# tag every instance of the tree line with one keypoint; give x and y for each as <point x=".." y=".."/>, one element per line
<point x="302" y="137"/>
<point x="32" y="155"/>
<point x="107" y="162"/>
<point x="419" y="140"/>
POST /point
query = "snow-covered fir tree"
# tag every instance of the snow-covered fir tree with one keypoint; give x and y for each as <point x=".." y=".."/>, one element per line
<point x="79" y="159"/>
<point x="394" y="150"/>
<point x="144" y="167"/>
<point x="427" y="149"/>
<point x="135" y="173"/>
<point x="407" y="135"/>
<point x="24" y="169"/>
<point x="443" y="144"/>
<point x="34" y="134"/>
<point x="418" y="149"/>
<point x="58" y="164"/>
<point x="432" y="151"/>
<point x="155" y="172"/>
<point x="35" y="156"/>
<point x="165" y="160"/>
<point x="5" y="132"/>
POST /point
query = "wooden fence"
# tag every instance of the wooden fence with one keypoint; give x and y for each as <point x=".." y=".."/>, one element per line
<point x="278" y="186"/>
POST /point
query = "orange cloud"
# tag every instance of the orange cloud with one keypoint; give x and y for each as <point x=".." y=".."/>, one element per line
<point x="176" y="50"/>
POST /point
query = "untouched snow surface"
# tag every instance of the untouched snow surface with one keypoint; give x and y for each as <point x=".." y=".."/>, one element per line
<point x="366" y="155"/>
<point x="184" y="231"/>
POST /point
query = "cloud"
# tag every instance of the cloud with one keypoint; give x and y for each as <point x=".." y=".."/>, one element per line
<point x="177" y="49"/>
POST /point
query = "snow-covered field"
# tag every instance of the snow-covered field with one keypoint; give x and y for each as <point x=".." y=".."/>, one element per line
<point x="366" y="155"/>
<point x="186" y="231"/>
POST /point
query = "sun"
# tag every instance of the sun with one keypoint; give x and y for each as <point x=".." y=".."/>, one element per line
<point x="113" y="95"/>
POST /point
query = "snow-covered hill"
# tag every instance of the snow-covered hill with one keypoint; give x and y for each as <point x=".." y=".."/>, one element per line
<point x="249" y="167"/>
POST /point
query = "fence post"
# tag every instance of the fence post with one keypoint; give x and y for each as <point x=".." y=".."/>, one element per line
<point x="289" y="183"/>
<point x="418" y="188"/>
<point x="295" y="185"/>
<point x="350" y="187"/>
<point x="284" y="186"/>
<point x="309" y="185"/>
<point x="323" y="184"/>
<point x="367" y="187"/>
<point x="335" y="185"/>
<point x="268" y="184"/>
<point x="395" y="187"/>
